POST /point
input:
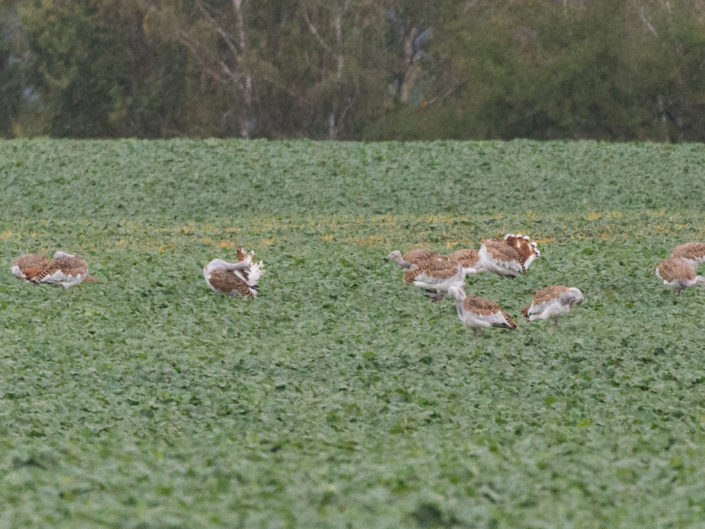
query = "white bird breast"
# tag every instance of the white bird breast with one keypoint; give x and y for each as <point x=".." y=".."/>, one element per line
<point x="64" y="279"/>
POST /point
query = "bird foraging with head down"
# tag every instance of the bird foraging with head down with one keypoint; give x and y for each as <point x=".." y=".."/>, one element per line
<point x="479" y="313"/>
<point x="550" y="302"/>
<point x="678" y="274"/>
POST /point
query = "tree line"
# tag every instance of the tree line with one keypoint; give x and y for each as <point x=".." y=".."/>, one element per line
<point x="354" y="69"/>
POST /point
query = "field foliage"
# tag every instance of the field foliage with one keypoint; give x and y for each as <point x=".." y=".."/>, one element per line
<point x="342" y="397"/>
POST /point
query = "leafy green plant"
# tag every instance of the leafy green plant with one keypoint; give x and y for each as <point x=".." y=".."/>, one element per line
<point x="341" y="396"/>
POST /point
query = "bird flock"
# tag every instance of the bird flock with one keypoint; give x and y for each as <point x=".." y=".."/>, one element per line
<point x="437" y="274"/>
<point x="444" y="275"/>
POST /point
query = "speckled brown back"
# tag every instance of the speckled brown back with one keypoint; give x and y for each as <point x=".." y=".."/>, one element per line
<point x="674" y="269"/>
<point x="690" y="250"/>
<point x="504" y="252"/>
<point x="68" y="265"/>
<point x="421" y="255"/>
<point x="230" y="284"/>
<point x="486" y="307"/>
<point x="549" y="293"/>
<point x="467" y="257"/>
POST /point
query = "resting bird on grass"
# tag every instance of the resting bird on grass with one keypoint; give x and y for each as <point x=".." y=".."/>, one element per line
<point x="678" y="274"/>
<point x="436" y="279"/>
<point x="478" y="313"/>
<point x="234" y="279"/>
<point x="692" y="252"/>
<point x="64" y="269"/>
<point x="551" y="302"/>
<point x="414" y="258"/>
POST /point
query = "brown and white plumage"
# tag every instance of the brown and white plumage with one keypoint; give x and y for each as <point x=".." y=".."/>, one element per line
<point x="551" y="302"/>
<point x="234" y="279"/>
<point x="415" y="258"/>
<point x="436" y="280"/>
<point x="64" y="269"/>
<point x="469" y="259"/>
<point x="242" y="255"/>
<point x="501" y="259"/>
<point x="478" y="313"/>
<point x="28" y="266"/>
<point x="692" y="252"/>
<point x="678" y="274"/>
<point x="230" y="284"/>
<point x="524" y="245"/>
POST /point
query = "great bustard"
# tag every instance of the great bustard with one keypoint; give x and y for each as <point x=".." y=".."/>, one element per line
<point x="437" y="278"/>
<point x="234" y="279"/>
<point x="551" y="302"/>
<point x="64" y="269"/>
<point x="678" y="274"/>
<point x="478" y="313"/>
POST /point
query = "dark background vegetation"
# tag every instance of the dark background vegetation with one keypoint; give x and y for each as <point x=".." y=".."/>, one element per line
<point x="354" y="69"/>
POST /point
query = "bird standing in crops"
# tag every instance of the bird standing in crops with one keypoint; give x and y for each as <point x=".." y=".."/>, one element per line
<point x="437" y="278"/>
<point x="501" y="259"/>
<point x="478" y="313"/>
<point x="678" y="274"/>
<point x="551" y="302"/>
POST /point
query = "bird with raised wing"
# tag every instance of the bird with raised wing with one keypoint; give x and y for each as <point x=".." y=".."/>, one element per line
<point x="501" y="259"/>
<point x="527" y="248"/>
<point x="234" y="279"/>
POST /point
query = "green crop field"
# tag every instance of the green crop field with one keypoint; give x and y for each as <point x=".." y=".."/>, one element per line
<point x="342" y="398"/>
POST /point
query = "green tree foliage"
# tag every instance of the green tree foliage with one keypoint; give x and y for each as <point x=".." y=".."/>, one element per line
<point x="11" y="83"/>
<point x="96" y="71"/>
<point x="354" y="69"/>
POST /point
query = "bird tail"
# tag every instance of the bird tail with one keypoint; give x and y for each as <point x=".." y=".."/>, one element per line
<point x="510" y="321"/>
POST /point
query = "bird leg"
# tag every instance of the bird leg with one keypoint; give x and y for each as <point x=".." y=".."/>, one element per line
<point x="550" y="327"/>
<point x="435" y="296"/>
